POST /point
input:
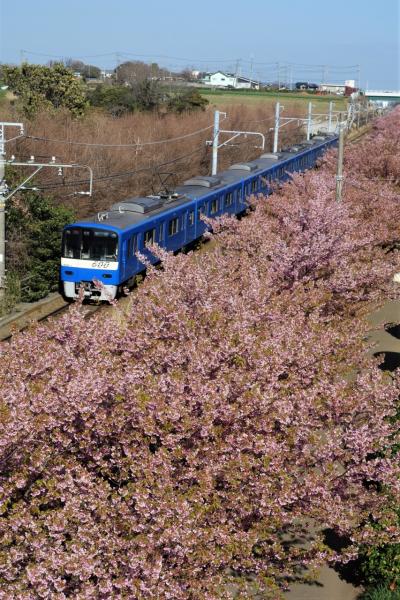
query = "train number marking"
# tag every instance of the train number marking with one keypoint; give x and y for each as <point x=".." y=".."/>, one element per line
<point x="100" y="265"/>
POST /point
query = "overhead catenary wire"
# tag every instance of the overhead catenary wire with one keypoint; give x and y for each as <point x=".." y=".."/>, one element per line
<point x="130" y="145"/>
<point x="117" y="175"/>
<point x="16" y="137"/>
<point x="134" y="145"/>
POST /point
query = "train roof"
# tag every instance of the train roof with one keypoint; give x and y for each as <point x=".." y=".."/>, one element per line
<point x="135" y="210"/>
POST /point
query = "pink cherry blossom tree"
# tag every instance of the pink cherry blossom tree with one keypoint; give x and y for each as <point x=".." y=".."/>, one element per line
<point x="182" y="447"/>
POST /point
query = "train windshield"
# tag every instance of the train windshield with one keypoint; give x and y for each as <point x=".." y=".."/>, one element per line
<point x="90" y="244"/>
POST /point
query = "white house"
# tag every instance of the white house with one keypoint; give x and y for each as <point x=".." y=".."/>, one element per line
<point x="221" y="79"/>
<point x="107" y="73"/>
<point x="337" y="88"/>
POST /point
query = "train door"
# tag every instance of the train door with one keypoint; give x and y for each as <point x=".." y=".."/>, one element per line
<point x="132" y="262"/>
<point x="228" y="202"/>
<point x="161" y="234"/>
<point x="190" y="225"/>
<point x="239" y="199"/>
<point x="214" y="206"/>
<point x="175" y="231"/>
<point x="124" y="257"/>
<point x="148" y="237"/>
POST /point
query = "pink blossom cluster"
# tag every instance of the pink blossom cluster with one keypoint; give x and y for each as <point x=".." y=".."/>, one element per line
<point x="180" y="448"/>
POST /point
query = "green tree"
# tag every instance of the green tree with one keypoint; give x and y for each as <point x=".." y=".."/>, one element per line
<point x="46" y="87"/>
<point x="34" y="227"/>
<point x="145" y="95"/>
<point x="148" y="95"/>
<point x="91" y="72"/>
<point x="87" y="71"/>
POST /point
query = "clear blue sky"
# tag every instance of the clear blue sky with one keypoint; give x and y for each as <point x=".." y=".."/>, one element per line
<point x="211" y="34"/>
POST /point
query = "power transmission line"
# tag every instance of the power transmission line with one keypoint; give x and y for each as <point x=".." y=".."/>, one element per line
<point x="188" y="59"/>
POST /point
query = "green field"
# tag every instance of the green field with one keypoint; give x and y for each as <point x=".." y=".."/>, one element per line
<point x="226" y="97"/>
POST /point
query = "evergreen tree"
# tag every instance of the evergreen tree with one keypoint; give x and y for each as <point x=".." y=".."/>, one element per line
<point x="40" y="87"/>
<point x="34" y="228"/>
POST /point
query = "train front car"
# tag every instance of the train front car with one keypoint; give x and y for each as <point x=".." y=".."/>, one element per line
<point x="90" y="260"/>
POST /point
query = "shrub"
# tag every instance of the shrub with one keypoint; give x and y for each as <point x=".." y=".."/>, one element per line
<point x="116" y="99"/>
<point x="187" y="101"/>
<point x="380" y="593"/>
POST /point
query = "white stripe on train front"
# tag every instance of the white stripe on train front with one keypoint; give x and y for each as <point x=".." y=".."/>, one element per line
<point x="103" y="265"/>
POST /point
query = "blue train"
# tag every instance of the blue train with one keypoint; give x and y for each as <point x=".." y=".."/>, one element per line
<point x="103" y="247"/>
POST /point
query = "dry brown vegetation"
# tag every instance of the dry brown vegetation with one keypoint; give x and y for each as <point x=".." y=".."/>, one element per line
<point x="182" y="158"/>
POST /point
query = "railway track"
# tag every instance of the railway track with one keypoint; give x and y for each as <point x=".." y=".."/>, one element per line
<point x="40" y="311"/>
<point x="356" y="136"/>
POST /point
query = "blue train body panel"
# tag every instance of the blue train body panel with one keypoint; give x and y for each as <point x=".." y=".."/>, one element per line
<point x="99" y="253"/>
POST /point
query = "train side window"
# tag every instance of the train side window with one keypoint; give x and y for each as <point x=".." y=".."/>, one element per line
<point x="191" y="218"/>
<point x="173" y="226"/>
<point x="201" y="211"/>
<point x="161" y="232"/>
<point x="254" y="185"/>
<point x="214" y="206"/>
<point x="228" y="199"/>
<point x="149" y="236"/>
<point x="239" y="195"/>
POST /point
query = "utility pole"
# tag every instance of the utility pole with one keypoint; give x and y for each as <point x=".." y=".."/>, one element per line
<point x="339" y="173"/>
<point x="237" y="67"/>
<point x="358" y="75"/>
<point x="251" y="69"/>
<point x="214" y="166"/>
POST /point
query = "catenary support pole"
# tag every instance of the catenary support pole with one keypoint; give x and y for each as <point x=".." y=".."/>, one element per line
<point x="3" y="195"/>
<point x="3" y="192"/>
<point x="339" y="173"/>
<point x="309" y="120"/>
<point x="214" y="166"/>
<point x="330" y="116"/>
<point x="277" y="125"/>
